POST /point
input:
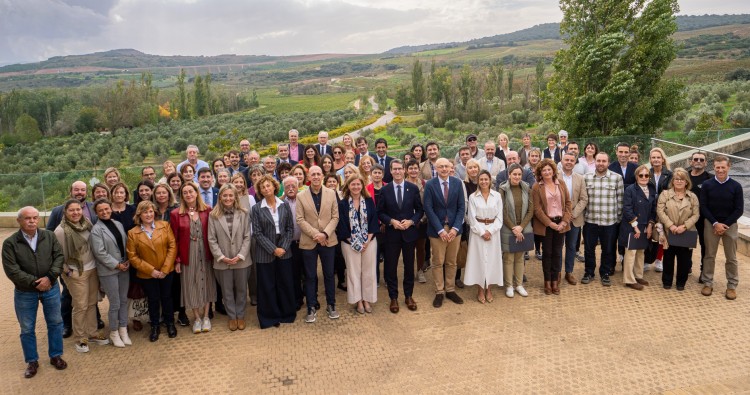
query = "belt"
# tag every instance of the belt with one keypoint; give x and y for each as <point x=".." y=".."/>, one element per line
<point x="556" y="220"/>
<point x="485" y="221"/>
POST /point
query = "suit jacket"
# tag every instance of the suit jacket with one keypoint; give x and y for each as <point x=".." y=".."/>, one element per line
<point x="522" y="159"/>
<point x="526" y="175"/>
<point x="440" y="213"/>
<point x="425" y="170"/>
<point x="343" y="229"/>
<point x="291" y="161"/>
<point x="547" y="154"/>
<point x="411" y="208"/>
<point x="224" y="243"/>
<point x="663" y="185"/>
<point x="180" y="224"/>
<point x="500" y="154"/>
<point x="387" y="177"/>
<point x="158" y="252"/>
<point x="105" y="250"/>
<point x="328" y="150"/>
<point x="541" y="220"/>
<point x="580" y="200"/>
<point x="264" y="232"/>
<point x="311" y="222"/>
<point x="300" y="153"/>
<point x="497" y="166"/>
<point x="629" y="178"/>
<point x="359" y="156"/>
<point x="56" y="216"/>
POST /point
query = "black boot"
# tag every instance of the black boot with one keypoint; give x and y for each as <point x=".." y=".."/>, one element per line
<point x="171" y="330"/>
<point x="154" y="332"/>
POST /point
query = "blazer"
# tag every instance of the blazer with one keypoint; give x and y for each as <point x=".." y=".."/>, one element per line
<point x="541" y="220"/>
<point x="527" y="176"/>
<point x="300" y="153"/>
<point x="328" y="150"/>
<point x="547" y="154"/>
<point x="343" y="229"/>
<point x="498" y="165"/>
<point x="180" y="224"/>
<point x="425" y="170"/>
<point x="387" y="177"/>
<point x="264" y="232"/>
<point x="637" y="207"/>
<point x="56" y="216"/>
<point x="522" y="159"/>
<point x="629" y="178"/>
<point x="230" y="244"/>
<point x="105" y="250"/>
<point x="359" y="156"/>
<point x="580" y="200"/>
<point x="158" y="252"/>
<point x="214" y="196"/>
<point x="411" y="208"/>
<point x="500" y="154"/>
<point x="663" y="185"/>
<point x="291" y="161"/>
<point x="311" y="222"/>
<point x="440" y="213"/>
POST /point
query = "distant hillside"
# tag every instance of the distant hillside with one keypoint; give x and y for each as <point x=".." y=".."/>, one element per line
<point x="551" y="31"/>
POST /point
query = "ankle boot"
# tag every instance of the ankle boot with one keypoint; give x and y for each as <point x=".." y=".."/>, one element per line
<point x="547" y="287"/>
<point x="555" y="287"/>
<point x="114" y="336"/>
<point x="123" y="331"/>
<point x="154" y="333"/>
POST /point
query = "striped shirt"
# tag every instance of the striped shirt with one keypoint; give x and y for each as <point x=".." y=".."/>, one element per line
<point x="605" y="198"/>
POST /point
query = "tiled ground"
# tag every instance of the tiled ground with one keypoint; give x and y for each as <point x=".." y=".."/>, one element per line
<point x="590" y="339"/>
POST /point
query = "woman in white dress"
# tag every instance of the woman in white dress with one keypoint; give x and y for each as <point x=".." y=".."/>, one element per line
<point x="483" y="264"/>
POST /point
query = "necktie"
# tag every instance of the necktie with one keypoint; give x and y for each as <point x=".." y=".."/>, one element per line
<point x="382" y="163"/>
<point x="322" y="150"/>
<point x="399" y="196"/>
<point x="205" y="198"/>
<point x="445" y="192"/>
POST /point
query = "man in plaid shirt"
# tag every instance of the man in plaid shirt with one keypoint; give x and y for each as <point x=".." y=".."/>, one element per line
<point x="604" y="211"/>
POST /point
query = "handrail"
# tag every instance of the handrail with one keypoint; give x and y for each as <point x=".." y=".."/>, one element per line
<point x="699" y="149"/>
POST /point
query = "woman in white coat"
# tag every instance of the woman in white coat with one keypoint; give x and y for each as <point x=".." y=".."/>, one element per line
<point x="483" y="263"/>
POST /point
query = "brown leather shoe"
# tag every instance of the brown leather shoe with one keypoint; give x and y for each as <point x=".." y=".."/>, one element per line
<point x="58" y="363"/>
<point x="641" y="281"/>
<point x="548" y="287"/>
<point x="232" y="325"/>
<point x="394" y="306"/>
<point x="570" y="278"/>
<point x="241" y="324"/>
<point x="731" y="294"/>
<point x="707" y="291"/>
<point x="555" y="288"/>
<point x="635" y="286"/>
<point x="410" y="303"/>
<point x="31" y="369"/>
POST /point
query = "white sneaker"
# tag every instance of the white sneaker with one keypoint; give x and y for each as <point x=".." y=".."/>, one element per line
<point x="522" y="291"/>
<point x="509" y="292"/>
<point x="82" y="347"/>
<point x="620" y="258"/>
<point x="646" y="267"/>
<point x="206" y="326"/>
<point x="124" y="336"/>
<point x="114" y="336"/>
<point x="659" y="266"/>
<point x="197" y="326"/>
<point x="420" y="277"/>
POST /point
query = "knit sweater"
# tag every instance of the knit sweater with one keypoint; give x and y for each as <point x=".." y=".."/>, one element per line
<point x="723" y="203"/>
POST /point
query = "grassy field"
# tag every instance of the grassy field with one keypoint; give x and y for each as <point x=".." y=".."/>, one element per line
<point x="272" y="101"/>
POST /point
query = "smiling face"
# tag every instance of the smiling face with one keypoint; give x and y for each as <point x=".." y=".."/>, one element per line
<point x="74" y="212"/>
<point x="515" y="176"/>
<point x="147" y="216"/>
<point x="484" y="182"/>
<point x="227" y="198"/>
<point x="189" y="194"/>
<point x="187" y="173"/>
<point x="472" y="169"/>
<point x="104" y="211"/>
<point x="267" y="190"/>
<point x="175" y="183"/>
<point x="100" y="193"/>
<point x="355" y="187"/>
<point x="145" y="192"/>
<point x="417" y="152"/>
<point x="161" y="195"/>
<point x="78" y="191"/>
<point x="119" y="195"/>
<point x="112" y="178"/>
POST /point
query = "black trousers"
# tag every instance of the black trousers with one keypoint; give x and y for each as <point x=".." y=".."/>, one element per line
<point x="392" y="253"/>
<point x="275" y="294"/>
<point x="552" y="245"/>
<point x="684" y="262"/>
<point x="297" y="269"/>
<point x="159" y="295"/>
<point x="700" y="226"/>
<point x="339" y="265"/>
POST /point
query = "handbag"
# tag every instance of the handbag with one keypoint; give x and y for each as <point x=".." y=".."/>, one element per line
<point x="688" y="239"/>
<point x="526" y="245"/>
<point x="135" y="291"/>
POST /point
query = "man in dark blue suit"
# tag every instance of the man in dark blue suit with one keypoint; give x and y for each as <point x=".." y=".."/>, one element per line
<point x="362" y="147"/>
<point x="400" y="209"/>
<point x="382" y="158"/>
<point x="444" y="206"/>
<point x="209" y="194"/>
<point x="323" y="147"/>
<point x="282" y="155"/>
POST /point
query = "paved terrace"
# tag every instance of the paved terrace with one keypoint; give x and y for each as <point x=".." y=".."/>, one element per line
<point x="590" y="339"/>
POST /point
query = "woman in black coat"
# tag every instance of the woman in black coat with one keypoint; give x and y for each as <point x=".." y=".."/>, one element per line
<point x="638" y="217"/>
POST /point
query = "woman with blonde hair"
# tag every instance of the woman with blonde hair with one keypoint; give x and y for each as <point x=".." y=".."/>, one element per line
<point x="365" y="167"/>
<point x="229" y="241"/>
<point x="348" y="143"/>
<point x="111" y="176"/>
<point x="660" y="178"/>
<point x="247" y="201"/>
<point x="167" y="168"/>
<point x="502" y="147"/>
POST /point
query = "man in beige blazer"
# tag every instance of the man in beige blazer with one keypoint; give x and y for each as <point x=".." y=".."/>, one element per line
<point x="578" y="201"/>
<point x="428" y="168"/>
<point x="317" y="214"/>
<point x="489" y="162"/>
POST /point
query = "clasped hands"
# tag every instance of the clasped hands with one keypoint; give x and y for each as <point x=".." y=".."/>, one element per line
<point x="404" y="224"/>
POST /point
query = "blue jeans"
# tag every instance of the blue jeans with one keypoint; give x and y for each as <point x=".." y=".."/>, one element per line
<point x="311" y="274"/>
<point x="607" y="236"/>
<point x="26" y="304"/>
<point x="571" y="246"/>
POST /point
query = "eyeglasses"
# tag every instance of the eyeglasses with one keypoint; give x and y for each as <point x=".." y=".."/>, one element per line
<point x="679" y="179"/>
<point x="699" y="159"/>
<point x="643" y="176"/>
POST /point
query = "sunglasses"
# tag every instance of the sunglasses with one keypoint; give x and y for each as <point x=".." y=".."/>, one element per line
<point x="643" y="175"/>
<point x="699" y="159"/>
<point x="472" y="139"/>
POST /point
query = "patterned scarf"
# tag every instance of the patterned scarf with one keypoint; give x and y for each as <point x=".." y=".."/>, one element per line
<point x="358" y="224"/>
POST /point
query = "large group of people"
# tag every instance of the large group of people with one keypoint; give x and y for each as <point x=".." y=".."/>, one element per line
<point x="215" y="237"/>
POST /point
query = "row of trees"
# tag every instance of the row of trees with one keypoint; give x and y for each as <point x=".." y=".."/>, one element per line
<point x="124" y="104"/>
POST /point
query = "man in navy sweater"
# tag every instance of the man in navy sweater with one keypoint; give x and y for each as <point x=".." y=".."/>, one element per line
<point x="722" y="204"/>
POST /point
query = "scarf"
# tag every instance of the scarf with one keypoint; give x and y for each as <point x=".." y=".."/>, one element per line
<point x="75" y="243"/>
<point x="117" y="235"/>
<point x="358" y="224"/>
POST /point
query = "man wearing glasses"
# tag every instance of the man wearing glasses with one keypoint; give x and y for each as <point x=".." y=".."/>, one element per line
<point x="698" y="175"/>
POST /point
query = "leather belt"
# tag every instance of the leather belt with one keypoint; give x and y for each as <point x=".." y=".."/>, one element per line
<point x="486" y="221"/>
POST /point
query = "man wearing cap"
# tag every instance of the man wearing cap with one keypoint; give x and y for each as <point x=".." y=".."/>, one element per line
<point x="471" y="142"/>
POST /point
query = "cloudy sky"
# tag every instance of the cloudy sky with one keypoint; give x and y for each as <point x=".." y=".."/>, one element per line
<point x="34" y="30"/>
